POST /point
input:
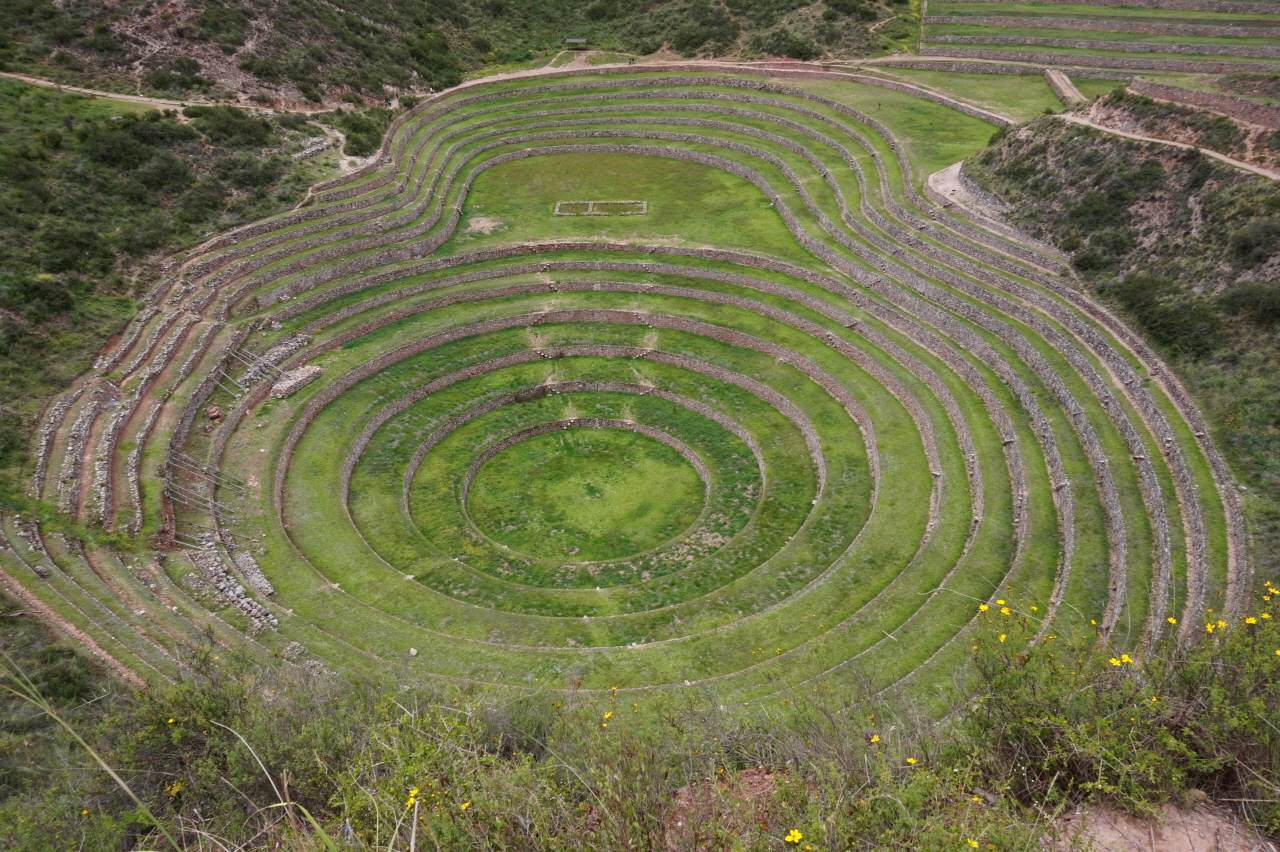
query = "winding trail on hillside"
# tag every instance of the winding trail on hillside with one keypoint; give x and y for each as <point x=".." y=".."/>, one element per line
<point x="1230" y="161"/>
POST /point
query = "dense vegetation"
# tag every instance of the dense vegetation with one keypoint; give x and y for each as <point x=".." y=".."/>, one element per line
<point x="1057" y="723"/>
<point x="90" y="195"/>
<point x="366" y="47"/>
<point x="1189" y="249"/>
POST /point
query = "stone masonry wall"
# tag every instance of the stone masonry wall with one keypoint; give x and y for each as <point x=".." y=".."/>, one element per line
<point x="1238" y="108"/>
<point x="1265" y="51"/>
<point x="1134" y="63"/>
<point x="1137" y="25"/>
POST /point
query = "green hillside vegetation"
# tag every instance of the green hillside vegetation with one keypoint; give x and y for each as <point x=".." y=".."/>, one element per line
<point x="369" y="47"/>
<point x="92" y="194"/>
<point x="237" y="756"/>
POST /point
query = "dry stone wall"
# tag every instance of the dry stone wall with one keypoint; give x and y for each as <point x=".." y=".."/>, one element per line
<point x="1241" y="109"/>
<point x="1180" y="5"/>
<point x="997" y="68"/>
<point x="1134" y="63"/>
<point x="1265" y="51"/>
<point x="1136" y="25"/>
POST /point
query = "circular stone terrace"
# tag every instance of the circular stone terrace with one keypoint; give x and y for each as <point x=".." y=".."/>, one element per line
<point x="650" y="378"/>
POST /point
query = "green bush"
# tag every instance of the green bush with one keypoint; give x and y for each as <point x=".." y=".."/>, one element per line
<point x="164" y="173"/>
<point x="1188" y="326"/>
<point x="73" y="248"/>
<point x="1067" y="719"/>
<point x="783" y="42"/>
<point x="429" y="50"/>
<point x="703" y="24"/>
<point x="229" y="126"/>
<point x="246" y="172"/>
<point x="1260" y="302"/>
<point x="201" y="202"/>
<point x="1258" y="240"/>
<point x="224" y="24"/>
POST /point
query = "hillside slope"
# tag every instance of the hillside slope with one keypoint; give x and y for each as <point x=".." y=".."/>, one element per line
<point x="307" y="51"/>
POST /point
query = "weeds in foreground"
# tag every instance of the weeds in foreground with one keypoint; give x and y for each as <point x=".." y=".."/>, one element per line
<point x="238" y="757"/>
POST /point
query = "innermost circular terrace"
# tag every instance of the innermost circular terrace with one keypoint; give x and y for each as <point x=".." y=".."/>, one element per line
<point x="584" y="495"/>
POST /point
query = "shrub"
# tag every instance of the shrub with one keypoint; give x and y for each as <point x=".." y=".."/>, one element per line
<point x="146" y="234"/>
<point x="201" y="202"/>
<point x="230" y="126"/>
<point x="72" y="248"/>
<point x="1188" y="326"/>
<point x="261" y="67"/>
<point x="364" y="130"/>
<point x="1075" y="719"/>
<point x="164" y="173"/>
<point x="703" y="24"/>
<point x="856" y="9"/>
<point x="1257" y="301"/>
<point x="782" y="42"/>
<point x="114" y="147"/>
<point x="429" y="50"/>
<point x="1258" y="240"/>
<point x="224" y="24"/>
<point x="245" y="172"/>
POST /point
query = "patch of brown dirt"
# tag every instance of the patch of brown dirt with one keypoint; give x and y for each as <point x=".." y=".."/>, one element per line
<point x="731" y="805"/>
<point x="1207" y="828"/>
<point x="484" y="225"/>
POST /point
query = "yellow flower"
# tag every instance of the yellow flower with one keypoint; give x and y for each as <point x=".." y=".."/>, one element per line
<point x="1004" y="610"/>
<point x="609" y="715"/>
<point x="1171" y="620"/>
<point x="1003" y="636"/>
<point x="911" y="760"/>
<point x="466" y="805"/>
<point x="1125" y="658"/>
<point x="794" y="836"/>
<point x="1209" y="627"/>
<point x="983" y="607"/>
<point x="1251" y="620"/>
<point x="1114" y="661"/>
<point x="1278" y="652"/>
<point x="1035" y="609"/>
<point x="973" y="843"/>
<point x="999" y="603"/>
<point x="84" y="812"/>
<point x="875" y="738"/>
<point x="1266" y="615"/>
<point x="170" y="721"/>
<point x="1222" y="624"/>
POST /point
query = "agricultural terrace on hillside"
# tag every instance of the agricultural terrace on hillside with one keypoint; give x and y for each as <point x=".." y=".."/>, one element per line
<point x="1171" y="36"/>
<point x="779" y="418"/>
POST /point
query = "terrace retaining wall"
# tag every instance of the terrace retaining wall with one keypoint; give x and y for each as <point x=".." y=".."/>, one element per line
<point x="1180" y="5"/>
<point x="1134" y="26"/>
<point x="1265" y="51"/>
<point x="1135" y="63"/>
<point x="1238" y="108"/>
<point x="961" y="67"/>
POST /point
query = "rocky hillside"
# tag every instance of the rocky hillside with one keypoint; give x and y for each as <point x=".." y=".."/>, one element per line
<point x="298" y="52"/>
